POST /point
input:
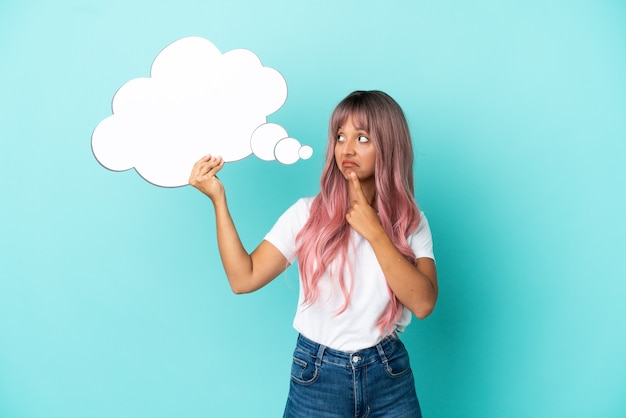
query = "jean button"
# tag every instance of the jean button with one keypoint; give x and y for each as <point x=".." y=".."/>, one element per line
<point x="356" y="359"/>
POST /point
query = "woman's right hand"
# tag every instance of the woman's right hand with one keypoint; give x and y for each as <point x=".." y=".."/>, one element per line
<point x="246" y="272"/>
<point x="204" y="177"/>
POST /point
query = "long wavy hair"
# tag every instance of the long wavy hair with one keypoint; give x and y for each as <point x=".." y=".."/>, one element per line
<point x="323" y="241"/>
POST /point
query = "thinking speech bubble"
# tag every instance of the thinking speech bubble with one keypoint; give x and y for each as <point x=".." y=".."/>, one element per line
<point x="197" y="101"/>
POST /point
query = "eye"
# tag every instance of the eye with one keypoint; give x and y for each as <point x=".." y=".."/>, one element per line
<point x="340" y="138"/>
<point x="363" y="138"/>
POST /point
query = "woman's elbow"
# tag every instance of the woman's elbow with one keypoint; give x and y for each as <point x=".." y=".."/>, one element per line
<point x="424" y="310"/>
<point x="422" y="314"/>
<point x="237" y="290"/>
<point x="239" y="287"/>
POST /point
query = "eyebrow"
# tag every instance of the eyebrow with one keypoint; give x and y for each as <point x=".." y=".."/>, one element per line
<point x="356" y="128"/>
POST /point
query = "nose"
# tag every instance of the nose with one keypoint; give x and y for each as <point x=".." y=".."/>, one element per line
<point x="349" y="147"/>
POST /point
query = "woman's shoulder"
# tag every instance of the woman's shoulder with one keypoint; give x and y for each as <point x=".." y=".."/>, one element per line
<point x="301" y="207"/>
<point x="423" y="225"/>
<point x="307" y="201"/>
<point x="303" y="203"/>
<point x="421" y="240"/>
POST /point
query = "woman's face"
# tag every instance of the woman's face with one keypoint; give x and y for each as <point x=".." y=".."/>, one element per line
<point x="354" y="152"/>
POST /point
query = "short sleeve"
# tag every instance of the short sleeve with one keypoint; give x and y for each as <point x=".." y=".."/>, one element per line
<point x="421" y="241"/>
<point x="284" y="232"/>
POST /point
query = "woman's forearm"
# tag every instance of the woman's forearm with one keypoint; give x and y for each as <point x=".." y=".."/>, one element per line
<point x="414" y="285"/>
<point x="235" y="259"/>
<point x="245" y="272"/>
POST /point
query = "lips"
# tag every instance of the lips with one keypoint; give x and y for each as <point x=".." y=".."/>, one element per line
<point x="349" y="164"/>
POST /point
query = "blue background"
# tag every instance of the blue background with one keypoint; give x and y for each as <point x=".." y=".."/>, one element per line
<point x="113" y="301"/>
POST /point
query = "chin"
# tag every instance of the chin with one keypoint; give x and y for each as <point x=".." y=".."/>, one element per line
<point x="346" y="175"/>
<point x="347" y="170"/>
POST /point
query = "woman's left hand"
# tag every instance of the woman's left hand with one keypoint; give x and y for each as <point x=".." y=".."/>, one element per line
<point x="414" y="284"/>
<point x="362" y="216"/>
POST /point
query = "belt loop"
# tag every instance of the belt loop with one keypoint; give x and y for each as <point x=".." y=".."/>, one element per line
<point x="320" y="354"/>
<point x="381" y="353"/>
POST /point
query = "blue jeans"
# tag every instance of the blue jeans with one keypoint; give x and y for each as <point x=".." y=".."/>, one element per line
<point x="375" y="382"/>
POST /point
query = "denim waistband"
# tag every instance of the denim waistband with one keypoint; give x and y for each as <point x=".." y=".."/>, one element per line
<point x="359" y="358"/>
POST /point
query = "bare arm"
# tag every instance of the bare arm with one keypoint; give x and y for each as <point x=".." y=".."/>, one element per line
<point x="414" y="285"/>
<point x="245" y="272"/>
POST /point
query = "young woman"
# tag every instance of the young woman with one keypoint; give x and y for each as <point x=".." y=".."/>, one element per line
<point x="365" y="260"/>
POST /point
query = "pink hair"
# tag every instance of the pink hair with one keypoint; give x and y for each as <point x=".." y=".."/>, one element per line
<point x="323" y="241"/>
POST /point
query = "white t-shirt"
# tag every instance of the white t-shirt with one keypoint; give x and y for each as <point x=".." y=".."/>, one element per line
<point x="355" y="328"/>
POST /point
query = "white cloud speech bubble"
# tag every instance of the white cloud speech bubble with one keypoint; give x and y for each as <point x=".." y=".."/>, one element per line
<point x="197" y="101"/>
